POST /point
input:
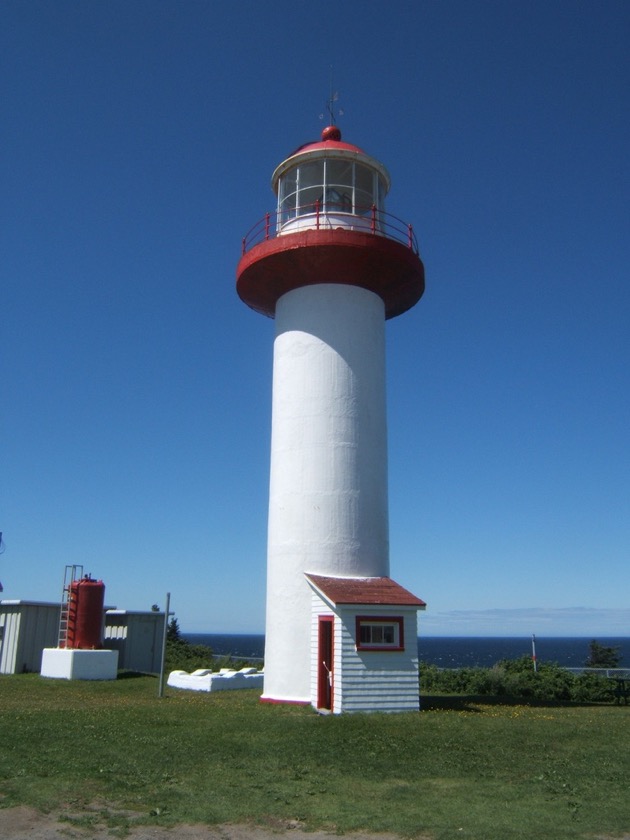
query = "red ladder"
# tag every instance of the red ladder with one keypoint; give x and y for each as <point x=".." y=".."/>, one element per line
<point x="71" y="574"/>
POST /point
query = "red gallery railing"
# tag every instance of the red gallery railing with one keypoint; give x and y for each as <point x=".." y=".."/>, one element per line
<point x="285" y="222"/>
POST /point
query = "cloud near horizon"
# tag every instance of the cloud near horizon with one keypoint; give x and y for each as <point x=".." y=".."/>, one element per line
<point x="542" y="621"/>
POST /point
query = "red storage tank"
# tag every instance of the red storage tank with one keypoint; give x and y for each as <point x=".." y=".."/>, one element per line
<point x="85" y="616"/>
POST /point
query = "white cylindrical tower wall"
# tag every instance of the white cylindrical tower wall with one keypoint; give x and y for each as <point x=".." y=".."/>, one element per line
<point x="328" y="510"/>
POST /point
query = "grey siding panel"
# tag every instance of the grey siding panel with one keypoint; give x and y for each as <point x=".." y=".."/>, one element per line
<point x="10" y="629"/>
<point x="138" y="639"/>
<point x="41" y="630"/>
<point x="27" y="628"/>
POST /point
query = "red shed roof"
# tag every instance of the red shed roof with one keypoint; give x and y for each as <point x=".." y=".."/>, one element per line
<point x="372" y="590"/>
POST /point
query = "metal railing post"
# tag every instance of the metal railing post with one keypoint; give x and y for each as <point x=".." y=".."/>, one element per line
<point x="317" y="214"/>
<point x="374" y="218"/>
<point x="410" y="235"/>
<point x="267" y="225"/>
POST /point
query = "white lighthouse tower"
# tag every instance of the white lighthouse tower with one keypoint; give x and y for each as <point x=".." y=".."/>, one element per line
<point x="330" y="266"/>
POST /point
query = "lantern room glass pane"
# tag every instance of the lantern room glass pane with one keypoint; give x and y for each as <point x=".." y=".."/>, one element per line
<point x="364" y="179"/>
<point x="288" y="183"/>
<point x="287" y="207"/>
<point x="338" y="199"/>
<point x="311" y="174"/>
<point x="364" y="190"/>
<point x="339" y="182"/>
<point x="339" y="173"/>
<point x="363" y="202"/>
<point x="382" y="192"/>
<point x="309" y="199"/>
<point x="287" y="195"/>
<point x="310" y="179"/>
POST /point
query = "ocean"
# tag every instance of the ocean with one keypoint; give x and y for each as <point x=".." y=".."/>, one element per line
<point x="447" y="651"/>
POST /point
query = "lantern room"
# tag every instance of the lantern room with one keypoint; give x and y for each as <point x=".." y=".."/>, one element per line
<point x="330" y="184"/>
<point x="330" y="227"/>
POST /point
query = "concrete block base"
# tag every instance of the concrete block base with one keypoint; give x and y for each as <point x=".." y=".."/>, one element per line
<point x="69" y="664"/>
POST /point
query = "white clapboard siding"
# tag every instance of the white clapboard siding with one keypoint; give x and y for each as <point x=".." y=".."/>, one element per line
<point x="384" y="681"/>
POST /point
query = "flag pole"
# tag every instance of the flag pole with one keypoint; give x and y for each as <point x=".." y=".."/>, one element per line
<point x="534" y="653"/>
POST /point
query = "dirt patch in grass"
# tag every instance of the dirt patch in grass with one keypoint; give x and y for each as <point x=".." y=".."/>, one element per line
<point x="24" y="823"/>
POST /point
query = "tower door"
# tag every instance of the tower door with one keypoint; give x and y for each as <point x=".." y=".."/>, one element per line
<point x="325" y="662"/>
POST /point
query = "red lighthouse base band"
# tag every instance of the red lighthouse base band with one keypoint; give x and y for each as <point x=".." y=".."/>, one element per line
<point x="384" y="266"/>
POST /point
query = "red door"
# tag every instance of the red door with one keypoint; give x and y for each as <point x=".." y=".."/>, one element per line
<point x="325" y="662"/>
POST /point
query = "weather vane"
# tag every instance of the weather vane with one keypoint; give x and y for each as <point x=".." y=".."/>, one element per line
<point x="330" y="104"/>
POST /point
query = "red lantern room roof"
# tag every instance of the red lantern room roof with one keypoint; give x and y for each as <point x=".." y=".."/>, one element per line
<point x="332" y="145"/>
<point x="331" y="139"/>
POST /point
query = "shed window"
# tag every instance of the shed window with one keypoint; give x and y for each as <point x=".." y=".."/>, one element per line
<point x="380" y="633"/>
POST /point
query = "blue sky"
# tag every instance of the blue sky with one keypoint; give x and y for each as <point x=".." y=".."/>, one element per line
<point x="138" y="143"/>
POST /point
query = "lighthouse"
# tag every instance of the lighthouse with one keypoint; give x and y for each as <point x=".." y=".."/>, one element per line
<point x="331" y="265"/>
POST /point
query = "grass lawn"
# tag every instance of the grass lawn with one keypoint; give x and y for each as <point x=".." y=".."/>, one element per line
<point x="459" y="769"/>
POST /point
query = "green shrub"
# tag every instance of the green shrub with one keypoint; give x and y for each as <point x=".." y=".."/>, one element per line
<point x="592" y="688"/>
<point x="182" y="656"/>
<point x="517" y="678"/>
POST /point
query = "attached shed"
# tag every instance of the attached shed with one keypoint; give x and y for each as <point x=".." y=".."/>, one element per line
<point x="26" y="628"/>
<point x="137" y="636"/>
<point x="364" y="645"/>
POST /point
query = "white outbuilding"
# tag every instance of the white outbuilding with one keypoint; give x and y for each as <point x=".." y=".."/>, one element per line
<point x="364" y="645"/>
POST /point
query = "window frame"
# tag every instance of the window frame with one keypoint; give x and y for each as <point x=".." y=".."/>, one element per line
<point x="397" y="621"/>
